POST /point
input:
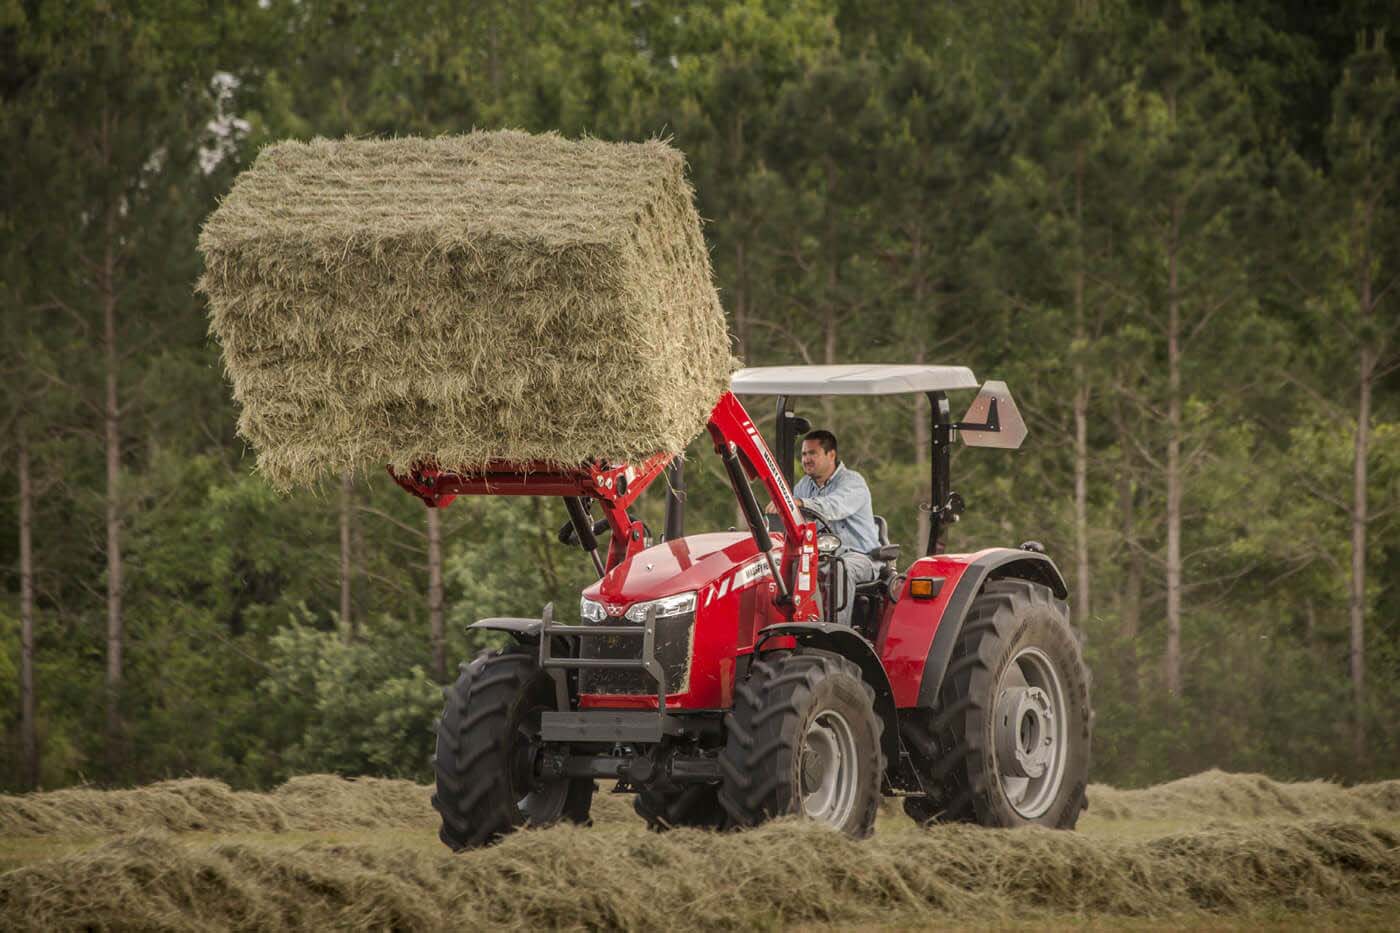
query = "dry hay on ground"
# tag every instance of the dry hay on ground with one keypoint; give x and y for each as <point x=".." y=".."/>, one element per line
<point x="315" y="801"/>
<point x="783" y="873"/>
<point x="322" y="801"/>
<point x="310" y="802"/>
<point x="493" y="296"/>
<point x="1218" y="795"/>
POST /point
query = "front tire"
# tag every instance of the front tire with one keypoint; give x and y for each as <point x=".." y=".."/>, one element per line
<point x="803" y="738"/>
<point x="1008" y="743"/>
<point x="486" y="739"/>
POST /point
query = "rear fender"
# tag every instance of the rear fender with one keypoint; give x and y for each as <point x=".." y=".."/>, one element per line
<point x="847" y="642"/>
<point x="995" y="564"/>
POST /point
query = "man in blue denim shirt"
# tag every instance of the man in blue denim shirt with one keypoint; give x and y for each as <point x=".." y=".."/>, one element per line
<point x="840" y="496"/>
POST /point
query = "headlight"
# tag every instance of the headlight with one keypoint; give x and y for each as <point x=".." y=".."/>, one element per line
<point x="676" y="605"/>
<point x="827" y="544"/>
<point x="590" y="611"/>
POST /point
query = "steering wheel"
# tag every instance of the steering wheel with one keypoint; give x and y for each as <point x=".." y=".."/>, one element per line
<point x="823" y="526"/>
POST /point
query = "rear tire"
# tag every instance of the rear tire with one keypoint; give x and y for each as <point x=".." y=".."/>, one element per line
<point x="486" y="787"/>
<point x="1008" y="743"/>
<point x="803" y="738"/>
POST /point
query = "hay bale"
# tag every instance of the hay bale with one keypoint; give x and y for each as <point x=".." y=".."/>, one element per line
<point x="493" y="296"/>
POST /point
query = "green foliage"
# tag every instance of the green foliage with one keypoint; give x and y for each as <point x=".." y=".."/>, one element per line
<point x="347" y="708"/>
<point x="1005" y="185"/>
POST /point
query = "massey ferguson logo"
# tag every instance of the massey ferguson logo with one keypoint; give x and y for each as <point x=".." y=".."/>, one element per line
<point x="735" y="582"/>
<point x="716" y="591"/>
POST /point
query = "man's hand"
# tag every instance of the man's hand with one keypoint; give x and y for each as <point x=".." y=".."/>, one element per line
<point x="772" y="507"/>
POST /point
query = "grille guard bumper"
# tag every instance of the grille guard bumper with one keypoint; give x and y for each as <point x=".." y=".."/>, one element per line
<point x="608" y="726"/>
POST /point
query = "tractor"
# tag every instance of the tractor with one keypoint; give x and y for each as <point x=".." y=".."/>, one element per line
<point x="707" y="676"/>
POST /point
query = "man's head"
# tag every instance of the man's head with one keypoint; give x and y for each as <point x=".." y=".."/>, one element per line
<point x="819" y="455"/>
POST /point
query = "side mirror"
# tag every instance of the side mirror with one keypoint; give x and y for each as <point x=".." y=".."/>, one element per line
<point x="993" y="420"/>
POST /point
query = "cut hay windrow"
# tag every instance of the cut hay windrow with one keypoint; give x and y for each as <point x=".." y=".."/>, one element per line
<point x="459" y="300"/>
<point x="1219" y="795"/>
<point x="309" y="802"/>
<point x="780" y="874"/>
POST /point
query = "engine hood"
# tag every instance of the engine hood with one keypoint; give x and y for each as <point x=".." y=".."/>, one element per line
<point x="672" y="567"/>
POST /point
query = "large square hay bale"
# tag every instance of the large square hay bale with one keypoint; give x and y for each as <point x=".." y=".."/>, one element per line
<point x="454" y="301"/>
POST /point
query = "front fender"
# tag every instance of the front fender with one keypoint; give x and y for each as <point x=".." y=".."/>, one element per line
<point x="525" y="631"/>
<point x="847" y="642"/>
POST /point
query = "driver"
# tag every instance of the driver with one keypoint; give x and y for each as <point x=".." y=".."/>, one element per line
<point x="840" y="496"/>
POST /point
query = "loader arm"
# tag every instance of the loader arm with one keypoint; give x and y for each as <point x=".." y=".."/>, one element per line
<point x="733" y="431"/>
<point x="613" y="486"/>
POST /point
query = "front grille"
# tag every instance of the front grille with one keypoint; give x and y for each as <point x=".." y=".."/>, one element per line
<point x="672" y="649"/>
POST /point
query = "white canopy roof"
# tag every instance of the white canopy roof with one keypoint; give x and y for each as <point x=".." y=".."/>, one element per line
<point x="851" y="379"/>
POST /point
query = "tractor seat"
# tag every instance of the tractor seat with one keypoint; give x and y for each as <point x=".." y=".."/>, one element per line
<point x="869" y="597"/>
<point x="886" y="552"/>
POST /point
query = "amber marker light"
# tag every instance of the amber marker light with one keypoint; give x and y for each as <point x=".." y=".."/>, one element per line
<point x="925" y="587"/>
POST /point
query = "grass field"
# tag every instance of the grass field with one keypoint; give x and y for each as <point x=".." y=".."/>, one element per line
<point x="1209" y="852"/>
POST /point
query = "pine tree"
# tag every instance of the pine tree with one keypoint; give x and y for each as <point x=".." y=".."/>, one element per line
<point x="1191" y="176"/>
<point x="123" y="91"/>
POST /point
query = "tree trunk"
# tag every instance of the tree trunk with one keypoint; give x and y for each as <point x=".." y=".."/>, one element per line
<point x="1130" y="600"/>
<point x="359" y="599"/>
<point x="740" y="233"/>
<point x="832" y="321"/>
<point x="922" y="414"/>
<point x="1173" y="478"/>
<point x="116" y="634"/>
<point x="1081" y="410"/>
<point x="829" y="344"/>
<point x="29" y="742"/>
<point x="1357" y="601"/>
<point x="347" y="566"/>
<point x="493" y="51"/>
<point x="1081" y="502"/>
<point x="435" y="614"/>
<point x="741" y="300"/>
<point x="1356" y="608"/>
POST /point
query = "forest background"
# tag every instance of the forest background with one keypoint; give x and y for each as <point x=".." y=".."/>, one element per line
<point x="1172" y="228"/>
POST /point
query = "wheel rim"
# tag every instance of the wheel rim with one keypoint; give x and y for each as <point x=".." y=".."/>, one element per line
<point x="1031" y="733"/>
<point x="537" y="800"/>
<point x="828" y="769"/>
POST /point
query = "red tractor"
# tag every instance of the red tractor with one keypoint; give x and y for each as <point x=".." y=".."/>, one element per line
<point x="708" y="676"/>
